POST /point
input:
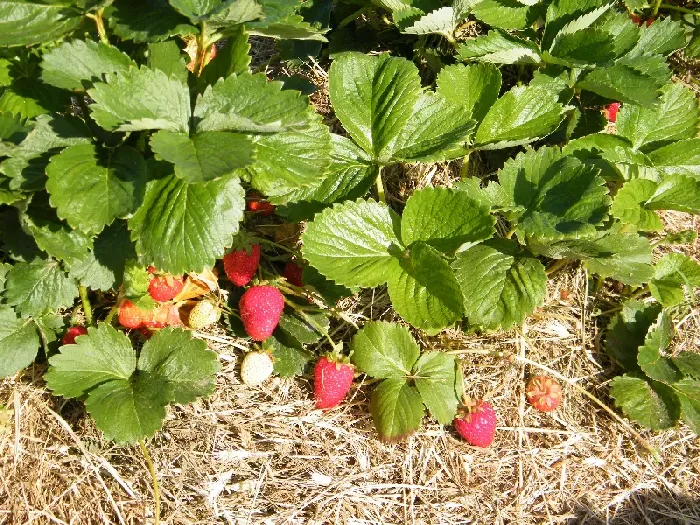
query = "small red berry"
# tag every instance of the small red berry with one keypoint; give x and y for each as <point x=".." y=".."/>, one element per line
<point x="151" y="269"/>
<point x="72" y="333"/>
<point x="257" y="204"/>
<point x="292" y="272"/>
<point x="165" y="287"/>
<point x="611" y="111"/>
<point x="477" y="424"/>
<point x="543" y="393"/>
<point x="240" y="266"/>
<point x="332" y="381"/>
<point x="261" y="308"/>
<point x="131" y="316"/>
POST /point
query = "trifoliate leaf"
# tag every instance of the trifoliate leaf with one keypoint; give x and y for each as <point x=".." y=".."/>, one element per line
<point x="151" y="21"/>
<point x="288" y="361"/>
<point x="651" y="358"/>
<point x="445" y="219"/>
<point x="500" y="48"/>
<point x="583" y="48"/>
<point x="141" y="99"/>
<point x="435" y="374"/>
<point x="474" y="87"/>
<point x="676" y="117"/>
<point x="19" y="342"/>
<point x="384" y="350"/>
<point x="688" y="363"/>
<point x="660" y="38"/>
<point x="374" y="97"/>
<point x="561" y="198"/>
<point x="90" y="191"/>
<point x="103" y="355"/>
<point x="249" y="103"/>
<point x="607" y="152"/>
<point x="78" y="64"/>
<point x="35" y="287"/>
<point x="397" y="409"/>
<point x="442" y="21"/>
<point x="362" y="254"/>
<point x="624" y="83"/>
<point x="501" y="283"/>
<point x="33" y="22"/>
<point x="688" y="392"/>
<point x="681" y="157"/>
<point x="205" y="156"/>
<point x="168" y="57"/>
<point x="653" y="405"/>
<point x="522" y="115"/>
<point x="561" y="13"/>
<point x="673" y="274"/>
<point x="425" y="292"/>
<point x="505" y="14"/>
<point x="627" y="331"/>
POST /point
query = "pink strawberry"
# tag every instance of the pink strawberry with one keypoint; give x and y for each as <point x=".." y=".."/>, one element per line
<point x="477" y="424"/>
<point x="543" y="393"/>
<point x="72" y="333"/>
<point x="332" y="381"/>
<point x="611" y="111"/>
<point x="260" y="309"/>
<point x="292" y="272"/>
<point x="165" y="287"/>
<point x="131" y="316"/>
<point x="240" y="266"/>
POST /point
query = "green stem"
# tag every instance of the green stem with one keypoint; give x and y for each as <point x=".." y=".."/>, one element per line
<point x="352" y="17"/>
<point x="463" y="172"/>
<point x="380" y="187"/>
<point x="313" y="323"/>
<point x="154" y="480"/>
<point x="509" y="234"/>
<point x="87" y="307"/>
<point x="557" y="265"/>
<point x="677" y="8"/>
<point x="111" y="314"/>
<point x="639" y="293"/>
<point x="100" y="23"/>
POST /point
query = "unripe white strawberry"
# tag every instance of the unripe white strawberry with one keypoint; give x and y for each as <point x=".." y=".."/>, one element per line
<point x="256" y="368"/>
<point x="205" y="313"/>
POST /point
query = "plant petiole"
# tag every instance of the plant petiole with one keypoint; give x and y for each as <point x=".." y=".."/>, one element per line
<point x="87" y="307"/>
<point x="154" y="480"/>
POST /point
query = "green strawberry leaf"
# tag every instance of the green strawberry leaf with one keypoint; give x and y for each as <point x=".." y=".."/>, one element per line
<point x="501" y="283"/>
<point x="688" y="392"/>
<point x="151" y="21"/>
<point x="673" y="273"/>
<point x="627" y="332"/>
<point x="500" y="48"/>
<point x="135" y="287"/>
<point x="435" y="375"/>
<point x="688" y="363"/>
<point x="168" y="57"/>
<point x="624" y="83"/>
<point x="205" y="156"/>
<point x="560" y="197"/>
<point x="126" y="101"/>
<point x="183" y="227"/>
<point x="651" y="358"/>
<point x="362" y="254"/>
<point x="442" y="21"/>
<point x="474" y="87"/>
<point x="288" y="360"/>
<point x="397" y="409"/>
<point x="19" y="342"/>
<point x="90" y="191"/>
<point x="305" y="330"/>
<point x="574" y="14"/>
<point x="653" y="405"/>
<point x="676" y="117"/>
<point x="39" y="286"/>
<point x="292" y="27"/>
<point x="16" y="243"/>
<point x="445" y="219"/>
<point x="662" y="37"/>
<point x="524" y="114"/>
<point x="232" y="58"/>
<point x="678" y="158"/>
<point x="424" y="291"/>
<point x="505" y="14"/>
<point x="609" y="153"/>
<point x="78" y="64"/>
<point x="330" y="291"/>
<point x="29" y="22"/>
<point x="384" y="350"/>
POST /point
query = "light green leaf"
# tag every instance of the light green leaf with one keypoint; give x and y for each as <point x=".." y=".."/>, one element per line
<point x="561" y="198"/>
<point x="688" y="363"/>
<point x="500" y="48"/>
<point x="445" y="219"/>
<point x="651" y="358"/>
<point x="141" y="99"/>
<point x="232" y="58"/>
<point x="442" y="21"/>
<point x="583" y="48"/>
<point x="19" y="342"/>
<point x="627" y="331"/>
<point x="396" y="408"/>
<point x="435" y="380"/>
<point x="205" y="156"/>
<point x="501" y="283"/>
<point x="524" y="114"/>
<point x="374" y="97"/>
<point x="674" y="273"/>
<point x="681" y="157"/>
<point x="196" y="10"/>
<point x="183" y="227"/>
<point x="77" y="64"/>
<point x="474" y="87"/>
<point x="688" y="392"/>
<point x="151" y="21"/>
<point x="505" y="14"/>
<point x="676" y="117"/>
<point x="89" y="192"/>
<point x="425" y="291"/>
<point x="168" y="57"/>
<point x="622" y="82"/>
<point x="103" y="355"/>
<point x="33" y="288"/>
<point x="383" y="350"/>
<point x="27" y="22"/>
<point x="652" y="405"/>
<point x="362" y="254"/>
<point x="660" y="38"/>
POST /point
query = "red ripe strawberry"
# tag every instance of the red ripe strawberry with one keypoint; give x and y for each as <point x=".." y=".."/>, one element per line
<point x="332" y="381"/>
<point x="611" y="111"/>
<point x="72" y="333"/>
<point x="240" y="266"/>
<point x="477" y="424"/>
<point x="260" y="309"/>
<point x="292" y="272"/>
<point x="257" y="204"/>
<point x="151" y="269"/>
<point x="165" y="287"/>
<point x="543" y="393"/>
<point x="131" y="316"/>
